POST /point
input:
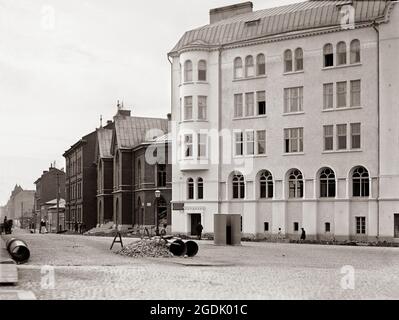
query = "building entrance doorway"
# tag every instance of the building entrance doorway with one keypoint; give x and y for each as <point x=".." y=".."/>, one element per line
<point x="195" y="219"/>
<point x="396" y="226"/>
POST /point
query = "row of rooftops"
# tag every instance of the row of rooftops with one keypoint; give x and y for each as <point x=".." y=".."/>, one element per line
<point x="239" y="23"/>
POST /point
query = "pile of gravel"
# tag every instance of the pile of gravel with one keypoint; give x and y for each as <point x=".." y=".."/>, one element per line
<point x="146" y="248"/>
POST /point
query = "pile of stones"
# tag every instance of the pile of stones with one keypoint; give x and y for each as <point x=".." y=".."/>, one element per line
<point x="146" y="248"/>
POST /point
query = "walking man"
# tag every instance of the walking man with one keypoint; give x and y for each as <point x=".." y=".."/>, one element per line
<point x="303" y="235"/>
<point x="199" y="229"/>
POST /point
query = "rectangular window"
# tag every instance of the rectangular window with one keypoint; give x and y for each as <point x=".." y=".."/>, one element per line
<point x="261" y="101"/>
<point x="202" y="138"/>
<point x="261" y="141"/>
<point x="202" y="107"/>
<point x="293" y="100"/>
<point x="355" y="136"/>
<point x="341" y="136"/>
<point x="293" y="140"/>
<point x="239" y="143"/>
<point x="238" y="105"/>
<point x="355" y="93"/>
<point x="328" y="94"/>
<point x="188" y="145"/>
<point x="361" y="225"/>
<point x="341" y="94"/>
<point x="328" y="227"/>
<point x="296" y="226"/>
<point x="250" y="141"/>
<point x="266" y="226"/>
<point x="328" y="138"/>
<point x="249" y="104"/>
<point x="188" y="108"/>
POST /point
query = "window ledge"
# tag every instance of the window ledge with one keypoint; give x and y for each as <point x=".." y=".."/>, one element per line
<point x="249" y="156"/>
<point x="342" y="151"/>
<point x="342" y="66"/>
<point x="186" y="121"/>
<point x="251" y="117"/>
<point x="250" y="78"/>
<point x="186" y="83"/>
<point x="293" y="113"/>
<point x="202" y="82"/>
<point x="342" y="109"/>
<point x="293" y="72"/>
<point x="294" y="154"/>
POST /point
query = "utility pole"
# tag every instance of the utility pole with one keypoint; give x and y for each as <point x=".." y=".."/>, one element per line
<point x="58" y="203"/>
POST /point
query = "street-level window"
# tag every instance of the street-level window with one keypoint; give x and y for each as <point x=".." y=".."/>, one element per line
<point x="341" y="94"/>
<point x="355" y="51"/>
<point x="298" y="59"/>
<point x="261" y="141"/>
<point x="250" y="142"/>
<point x="293" y="100"/>
<point x="261" y="102"/>
<point x="202" y="107"/>
<point x="327" y="183"/>
<point x="239" y="143"/>
<point x="190" y="189"/>
<point x="328" y="55"/>
<point x="328" y="95"/>
<point x="328" y="138"/>
<point x="238" y="186"/>
<point x="360" y="182"/>
<point x="288" y="61"/>
<point x="249" y="104"/>
<point x="188" y="145"/>
<point x="188" y="108"/>
<point x="266" y="226"/>
<point x="355" y="93"/>
<point x="202" y="70"/>
<point x="238" y="72"/>
<point x="341" y="136"/>
<point x="188" y="71"/>
<point x="296" y="226"/>
<point x="238" y="104"/>
<point x="360" y="225"/>
<point x="249" y="66"/>
<point x="266" y="185"/>
<point x="295" y="184"/>
<point x="341" y="53"/>
<point x="355" y="136"/>
<point x="260" y="65"/>
<point x="293" y="139"/>
<point x="327" y="227"/>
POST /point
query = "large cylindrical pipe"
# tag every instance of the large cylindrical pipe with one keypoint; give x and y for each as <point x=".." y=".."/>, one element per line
<point x="177" y="247"/>
<point x="18" y="250"/>
<point x="192" y="248"/>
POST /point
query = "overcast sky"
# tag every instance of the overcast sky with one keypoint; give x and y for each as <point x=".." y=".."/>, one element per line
<point x="63" y="63"/>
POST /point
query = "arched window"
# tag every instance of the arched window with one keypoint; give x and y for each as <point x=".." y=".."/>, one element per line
<point x="266" y="185"/>
<point x="360" y="182"/>
<point x="295" y="184"/>
<point x="355" y="51"/>
<point x="238" y="68"/>
<point x="200" y="188"/>
<point x="190" y="189"/>
<point x="238" y="186"/>
<point x="162" y="211"/>
<point x="341" y="53"/>
<point x="298" y="59"/>
<point x="327" y="183"/>
<point x="139" y="173"/>
<point x="202" y="70"/>
<point x="328" y="55"/>
<point x="188" y="71"/>
<point x="249" y="66"/>
<point x="287" y="61"/>
<point x="260" y="65"/>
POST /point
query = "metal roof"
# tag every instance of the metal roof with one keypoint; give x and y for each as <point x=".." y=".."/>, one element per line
<point x="274" y="21"/>
<point x="104" y="137"/>
<point x="131" y="131"/>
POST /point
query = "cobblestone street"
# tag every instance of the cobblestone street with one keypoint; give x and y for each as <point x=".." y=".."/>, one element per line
<point x="85" y="268"/>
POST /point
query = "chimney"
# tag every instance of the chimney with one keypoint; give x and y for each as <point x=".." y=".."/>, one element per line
<point x="109" y="122"/>
<point x="222" y="13"/>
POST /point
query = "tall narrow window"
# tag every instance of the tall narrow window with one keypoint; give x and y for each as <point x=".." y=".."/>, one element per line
<point x="328" y="138"/>
<point x="200" y="188"/>
<point x="360" y="225"/>
<point x="188" y="145"/>
<point x="190" y="189"/>
<point x="238" y="186"/>
<point x="202" y="107"/>
<point x="260" y="65"/>
<point x="202" y="70"/>
<point x="180" y="73"/>
<point x="139" y="173"/>
<point x="355" y="93"/>
<point x="360" y="182"/>
<point x="295" y="184"/>
<point x="239" y="143"/>
<point x="188" y="71"/>
<point x="261" y="102"/>
<point x="261" y="141"/>
<point x="293" y="100"/>
<point x="266" y="185"/>
<point x="328" y="95"/>
<point x="328" y="55"/>
<point x="298" y="59"/>
<point x="250" y="142"/>
<point x="249" y="66"/>
<point x="355" y="51"/>
<point x="249" y="104"/>
<point x="341" y="136"/>
<point x="202" y="145"/>
<point x="293" y="140"/>
<point x="188" y="108"/>
<point x="238" y="104"/>
<point x="238" y="71"/>
<point x="327" y="183"/>
<point x="355" y="136"/>
<point x="341" y="53"/>
<point x="341" y="94"/>
<point x="161" y="175"/>
<point x="288" y="61"/>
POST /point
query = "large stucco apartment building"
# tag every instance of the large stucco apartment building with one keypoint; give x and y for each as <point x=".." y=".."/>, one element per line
<point x="288" y="117"/>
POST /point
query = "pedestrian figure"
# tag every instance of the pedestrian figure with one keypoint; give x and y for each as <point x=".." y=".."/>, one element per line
<point x="199" y="229"/>
<point x="43" y="226"/>
<point x="303" y="235"/>
<point x="76" y="227"/>
<point x="279" y="234"/>
<point x="163" y="230"/>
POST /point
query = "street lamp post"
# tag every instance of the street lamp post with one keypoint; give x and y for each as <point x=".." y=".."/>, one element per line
<point x="157" y="196"/>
